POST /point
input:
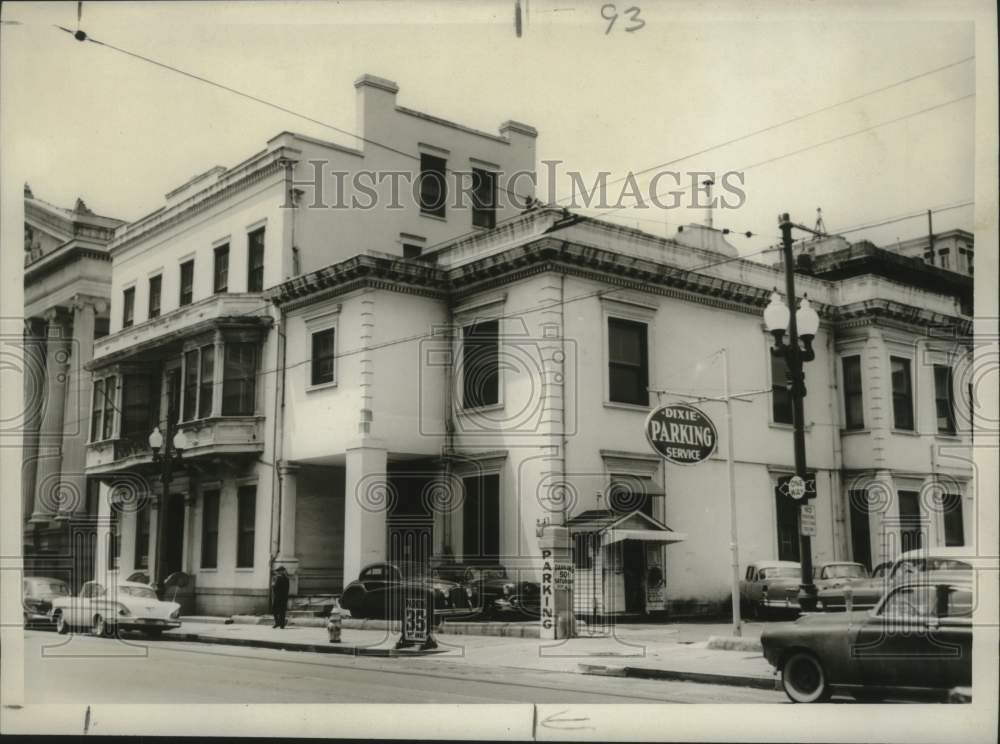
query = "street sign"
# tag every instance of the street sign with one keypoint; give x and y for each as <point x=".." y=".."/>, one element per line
<point x="415" y="620"/>
<point x="807" y="520"/>
<point x="562" y="578"/>
<point x="796" y="487"/>
<point x="681" y="434"/>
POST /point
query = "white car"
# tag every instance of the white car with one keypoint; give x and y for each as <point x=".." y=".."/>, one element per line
<point x="125" y="605"/>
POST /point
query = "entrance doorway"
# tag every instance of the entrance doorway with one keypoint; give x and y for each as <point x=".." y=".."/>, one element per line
<point x="172" y="554"/>
<point x="634" y="565"/>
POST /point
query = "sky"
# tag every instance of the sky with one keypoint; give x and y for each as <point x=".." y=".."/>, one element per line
<point x="120" y="133"/>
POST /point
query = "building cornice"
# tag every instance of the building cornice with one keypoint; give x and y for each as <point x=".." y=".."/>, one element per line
<point x="254" y="171"/>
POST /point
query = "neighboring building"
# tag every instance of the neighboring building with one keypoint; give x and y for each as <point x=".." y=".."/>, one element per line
<point x="193" y="331"/>
<point x="343" y="399"/>
<point x="951" y="250"/>
<point x="67" y="280"/>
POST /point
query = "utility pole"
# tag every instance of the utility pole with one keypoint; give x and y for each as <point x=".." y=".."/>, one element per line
<point x="733" y="529"/>
<point x="930" y="236"/>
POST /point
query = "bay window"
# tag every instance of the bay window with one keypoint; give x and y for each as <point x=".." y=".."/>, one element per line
<point x="239" y="379"/>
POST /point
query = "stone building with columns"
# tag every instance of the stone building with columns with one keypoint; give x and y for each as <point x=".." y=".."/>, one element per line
<point x="67" y="287"/>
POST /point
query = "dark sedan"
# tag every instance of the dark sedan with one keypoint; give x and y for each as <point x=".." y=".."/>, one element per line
<point x="498" y="595"/>
<point x="917" y="639"/>
<point x="37" y="593"/>
<point x="382" y="588"/>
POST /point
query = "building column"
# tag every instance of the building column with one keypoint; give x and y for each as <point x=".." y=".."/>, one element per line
<point x="558" y="618"/>
<point x="77" y="408"/>
<point x="34" y="399"/>
<point x="101" y="563"/>
<point x="366" y="500"/>
<point x="49" y="473"/>
<point x="288" y="473"/>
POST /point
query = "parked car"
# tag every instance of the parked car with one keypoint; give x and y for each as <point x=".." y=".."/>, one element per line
<point x="498" y="595"/>
<point x="381" y="588"/>
<point x="126" y="605"/>
<point x="939" y="562"/>
<point x="865" y="593"/>
<point x="917" y="638"/>
<point x="770" y="585"/>
<point x="37" y="594"/>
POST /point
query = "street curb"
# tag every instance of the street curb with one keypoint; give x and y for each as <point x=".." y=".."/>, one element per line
<point x="731" y="680"/>
<point x="316" y="648"/>
<point x="733" y="643"/>
<point x="503" y="630"/>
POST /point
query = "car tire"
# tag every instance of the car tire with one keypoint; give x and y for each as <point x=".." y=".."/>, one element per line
<point x="803" y="679"/>
<point x="101" y="628"/>
<point x="62" y="627"/>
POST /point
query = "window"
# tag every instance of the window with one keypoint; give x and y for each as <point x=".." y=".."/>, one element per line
<point x="128" y="307"/>
<point x="787" y="514"/>
<point x="108" y="412"/>
<point x="481" y="519"/>
<point x="322" y="356"/>
<point x="954" y="529"/>
<point x="255" y="261"/>
<point x="481" y="364"/>
<point x="246" y="519"/>
<point x="854" y="402"/>
<point x="412" y="251"/>
<point x="96" y="409"/>
<point x="155" y="294"/>
<point x="187" y="283"/>
<point x="190" y="384"/>
<point x="210" y="529"/>
<point x="909" y="601"/>
<point x="902" y="394"/>
<point x="583" y="545"/>
<point x="781" y="394"/>
<point x="484" y="198"/>
<point x="433" y="187"/>
<point x="139" y="414"/>
<point x="944" y="406"/>
<point x="910" y="521"/>
<point x="861" y="541"/>
<point x="945" y="259"/>
<point x="239" y="379"/>
<point x="628" y="362"/>
<point x="220" y="283"/>
<point x="207" y="381"/>
<point x="142" y="537"/>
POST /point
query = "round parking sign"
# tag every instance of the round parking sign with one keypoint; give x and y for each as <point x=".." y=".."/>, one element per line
<point x="681" y="434"/>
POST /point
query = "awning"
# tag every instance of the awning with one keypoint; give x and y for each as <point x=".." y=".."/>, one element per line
<point x="653" y="536"/>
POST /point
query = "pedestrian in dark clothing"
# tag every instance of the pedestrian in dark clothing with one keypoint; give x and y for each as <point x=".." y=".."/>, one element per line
<point x="279" y="597"/>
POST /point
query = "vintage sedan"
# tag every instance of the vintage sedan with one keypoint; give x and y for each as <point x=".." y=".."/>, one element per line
<point x="917" y="639"/>
<point x="37" y="595"/>
<point x="381" y="589"/>
<point x="770" y="585"/>
<point x="865" y="593"/>
<point x="105" y="610"/>
<point x="498" y="595"/>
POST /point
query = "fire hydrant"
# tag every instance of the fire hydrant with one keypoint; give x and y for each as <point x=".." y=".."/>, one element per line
<point x="333" y="627"/>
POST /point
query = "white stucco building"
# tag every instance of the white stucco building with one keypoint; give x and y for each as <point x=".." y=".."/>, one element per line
<point x="353" y="385"/>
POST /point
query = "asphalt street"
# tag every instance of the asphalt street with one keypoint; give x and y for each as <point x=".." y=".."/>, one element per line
<point x="84" y="669"/>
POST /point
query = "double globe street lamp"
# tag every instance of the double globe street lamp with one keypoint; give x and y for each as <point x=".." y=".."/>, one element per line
<point x="171" y="457"/>
<point x="801" y="328"/>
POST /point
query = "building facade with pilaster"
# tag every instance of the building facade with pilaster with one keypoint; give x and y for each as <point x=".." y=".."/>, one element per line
<point x="67" y="287"/>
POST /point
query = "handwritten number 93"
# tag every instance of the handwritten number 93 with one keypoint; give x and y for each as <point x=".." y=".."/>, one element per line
<point x="609" y="12"/>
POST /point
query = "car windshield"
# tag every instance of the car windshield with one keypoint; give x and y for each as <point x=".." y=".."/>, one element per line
<point x="781" y="572"/>
<point x="47" y="588"/>
<point x="845" y="572"/>
<point x="921" y="565"/>
<point x="142" y="592"/>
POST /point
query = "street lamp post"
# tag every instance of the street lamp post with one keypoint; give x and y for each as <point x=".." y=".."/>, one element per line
<point x="800" y="326"/>
<point x="170" y="458"/>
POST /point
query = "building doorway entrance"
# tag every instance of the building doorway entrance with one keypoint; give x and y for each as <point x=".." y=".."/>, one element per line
<point x="172" y="555"/>
<point x="634" y="565"/>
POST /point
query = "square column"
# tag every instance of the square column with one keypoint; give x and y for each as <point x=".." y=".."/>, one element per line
<point x="366" y="500"/>
<point x="288" y="473"/>
<point x="48" y="479"/>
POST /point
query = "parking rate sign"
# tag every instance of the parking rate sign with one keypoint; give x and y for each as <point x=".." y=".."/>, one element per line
<point x="681" y="434"/>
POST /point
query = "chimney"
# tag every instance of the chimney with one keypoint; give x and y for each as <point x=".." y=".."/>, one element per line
<point x="375" y="104"/>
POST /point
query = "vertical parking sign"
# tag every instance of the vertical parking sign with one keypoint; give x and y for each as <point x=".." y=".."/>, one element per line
<point x="415" y="620"/>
